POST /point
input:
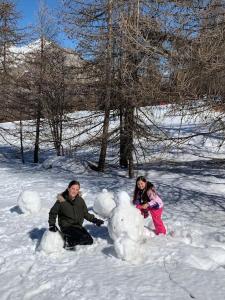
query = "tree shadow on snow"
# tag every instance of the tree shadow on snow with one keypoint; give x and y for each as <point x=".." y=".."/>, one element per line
<point x="195" y="206"/>
<point x="211" y="167"/>
<point x="195" y="200"/>
<point x="16" y="209"/>
<point x="36" y="234"/>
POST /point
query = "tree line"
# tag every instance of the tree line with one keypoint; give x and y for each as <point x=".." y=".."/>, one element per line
<point x="128" y="55"/>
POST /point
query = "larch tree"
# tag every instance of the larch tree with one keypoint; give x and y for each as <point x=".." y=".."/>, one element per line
<point x="45" y="31"/>
<point x="91" y="24"/>
<point x="10" y="36"/>
<point x="11" y="102"/>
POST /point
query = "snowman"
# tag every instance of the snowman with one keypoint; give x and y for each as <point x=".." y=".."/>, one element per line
<point x="125" y="225"/>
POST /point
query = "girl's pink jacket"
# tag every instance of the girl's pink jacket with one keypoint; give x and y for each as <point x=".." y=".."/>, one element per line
<point x="155" y="200"/>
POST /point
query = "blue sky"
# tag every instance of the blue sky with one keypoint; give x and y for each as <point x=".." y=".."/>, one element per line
<point x="28" y="10"/>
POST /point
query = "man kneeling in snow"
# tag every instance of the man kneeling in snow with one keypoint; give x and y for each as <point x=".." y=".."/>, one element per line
<point x="71" y="211"/>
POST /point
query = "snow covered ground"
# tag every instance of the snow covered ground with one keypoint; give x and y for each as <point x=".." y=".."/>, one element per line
<point x="188" y="265"/>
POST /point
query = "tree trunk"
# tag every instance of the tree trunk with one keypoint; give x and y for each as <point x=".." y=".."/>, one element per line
<point x="37" y="136"/>
<point x="104" y="144"/>
<point x="123" y="142"/>
<point x="105" y="135"/>
<point x="39" y="105"/>
<point x="128" y="139"/>
<point x="21" y="142"/>
<point x="130" y="142"/>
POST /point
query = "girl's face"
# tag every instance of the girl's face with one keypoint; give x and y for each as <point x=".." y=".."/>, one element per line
<point x="141" y="184"/>
<point x="73" y="191"/>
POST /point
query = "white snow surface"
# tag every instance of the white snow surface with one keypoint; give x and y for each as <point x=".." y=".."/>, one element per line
<point x="187" y="263"/>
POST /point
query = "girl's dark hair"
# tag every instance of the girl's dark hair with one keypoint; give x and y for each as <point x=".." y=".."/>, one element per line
<point x="73" y="182"/>
<point x="149" y="186"/>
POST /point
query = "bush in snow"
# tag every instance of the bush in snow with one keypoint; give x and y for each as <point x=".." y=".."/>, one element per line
<point x="104" y="203"/>
<point x="29" y="202"/>
<point x="51" y="242"/>
<point x="126" y="228"/>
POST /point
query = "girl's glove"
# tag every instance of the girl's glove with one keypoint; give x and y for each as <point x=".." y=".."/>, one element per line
<point x="98" y="222"/>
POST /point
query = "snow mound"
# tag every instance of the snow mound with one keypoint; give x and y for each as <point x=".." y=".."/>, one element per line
<point x="201" y="258"/>
<point x="51" y="242"/>
<point x="63" y="163"/>
<point x="216" y="254"/>
<point x="200" y="262"/>
<point x="29" y="202"/>
<point x="104" y="203"/>
<point x="52" y="162"/>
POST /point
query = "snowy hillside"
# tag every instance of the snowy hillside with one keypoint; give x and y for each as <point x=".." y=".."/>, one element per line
<point x="21" y="52"/>
<point x="188" y="264"/>
<point x="26" y="48"/>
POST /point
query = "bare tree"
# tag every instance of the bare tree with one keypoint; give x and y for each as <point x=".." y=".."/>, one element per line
<point x="10" y="35"/>
<point x="155" y="51"/>
<point x="45" y="31"/>
<point x="91" y="23"/>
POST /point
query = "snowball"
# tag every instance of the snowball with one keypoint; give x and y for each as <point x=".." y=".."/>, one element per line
<point x="123" y="199"/>
<point x="51" y="242"/>
<point x="104" y="203"/>
<point x="128" y="249"/>
<point x="126" y="220"/>
<point x="29" y="202"/>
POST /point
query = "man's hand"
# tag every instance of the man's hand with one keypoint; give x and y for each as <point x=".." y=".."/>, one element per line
<point x="98" y="222"/>
<point x="53" y="228"/>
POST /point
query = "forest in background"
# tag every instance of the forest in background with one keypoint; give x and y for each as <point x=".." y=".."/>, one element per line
<point x="128" y="55"/>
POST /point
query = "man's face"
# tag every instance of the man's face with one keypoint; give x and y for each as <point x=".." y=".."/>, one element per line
<point x="73" y="191"/>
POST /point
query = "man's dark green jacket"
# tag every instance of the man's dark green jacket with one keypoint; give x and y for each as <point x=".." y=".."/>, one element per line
<point x="69" y="212"/>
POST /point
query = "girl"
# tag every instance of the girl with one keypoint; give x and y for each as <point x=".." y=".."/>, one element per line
<point x="147" y="200"/>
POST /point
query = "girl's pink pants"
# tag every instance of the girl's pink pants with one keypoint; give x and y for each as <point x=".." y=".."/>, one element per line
<point x="156" y="218"/>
